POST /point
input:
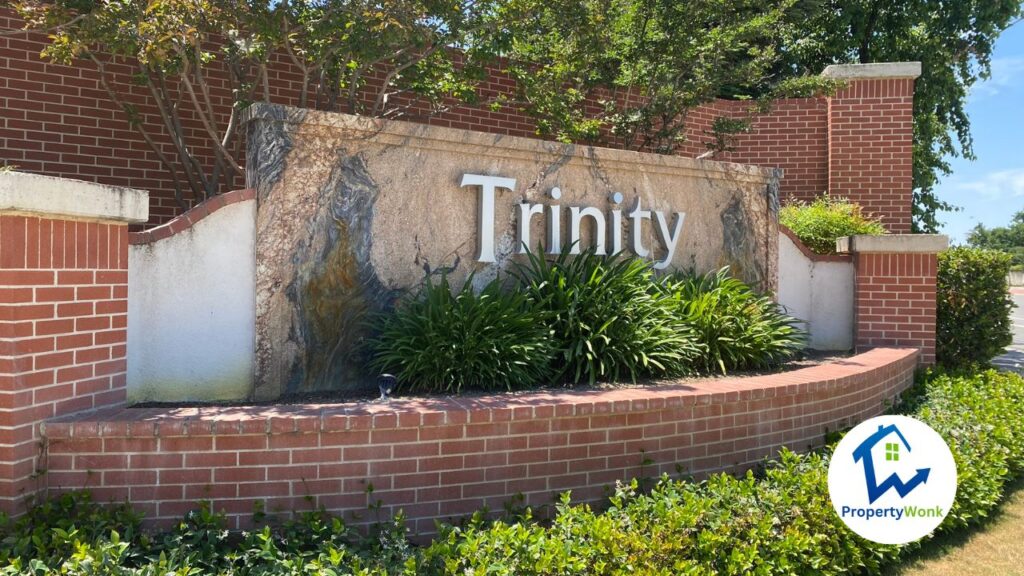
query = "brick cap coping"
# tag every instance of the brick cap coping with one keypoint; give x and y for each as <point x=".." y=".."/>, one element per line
<point x="205" y="421"/>
<point x="811" y="254"/>
<point x="49" y="196"/>
<point x="484" y="144"/>
<point x="188" y="219"/>
<point x="893" y="244"/>
<point x="873" y="71"/>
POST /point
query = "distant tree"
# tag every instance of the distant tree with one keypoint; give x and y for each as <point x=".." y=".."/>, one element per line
<point x="1009" y="239"/>
<point x="952" y="39"/>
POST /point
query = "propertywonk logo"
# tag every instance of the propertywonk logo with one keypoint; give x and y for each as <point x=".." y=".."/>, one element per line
<point x="892" y="479"/>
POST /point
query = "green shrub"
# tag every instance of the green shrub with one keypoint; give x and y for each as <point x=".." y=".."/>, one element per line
<point x="819" y="223"/>
<point x="973" y="306"/>
<point x="738" y="328"/>
<point x="48" y="531"/>
<point x="440" y="341"/>
<point x="608" y="318"/>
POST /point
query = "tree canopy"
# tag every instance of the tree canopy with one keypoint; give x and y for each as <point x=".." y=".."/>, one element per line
<point x="624" y="72"/>
<point x="645" y="62"/>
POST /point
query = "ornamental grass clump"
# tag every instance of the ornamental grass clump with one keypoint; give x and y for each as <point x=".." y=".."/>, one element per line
<point x="609" y="321"/>
<point x="441" y="340"/>
<point x="819" y="223"/>
<point x="737" y="328"/>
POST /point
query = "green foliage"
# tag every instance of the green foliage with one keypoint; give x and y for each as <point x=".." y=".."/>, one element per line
<point x="979" y="416"/>
<point x="440" y="341"/>
<point x="50" y="530"/>
<point x="777" y="522"/>
<point x="819" y="223"/>
<point x="580" y="319"/>
<point x="647" y="62"/>
<point x="1009" y="239"/>
<point x="609" y="321"/>
<point x="372" y="58"/>
<point x="74" y="536"/>
<point x="973" y="306"/>
<point x="738" y="328"/>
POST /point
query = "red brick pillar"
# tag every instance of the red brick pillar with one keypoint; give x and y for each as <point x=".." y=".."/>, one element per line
<point x="894" y="290"/>
<point x="870" y="139"/>
<point x="63" y="310"/>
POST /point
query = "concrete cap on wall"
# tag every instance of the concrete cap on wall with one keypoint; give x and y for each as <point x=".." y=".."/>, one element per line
<point x="49" y="196"/>
<point x="893" y="244"/>
<point x="873" y="71"/>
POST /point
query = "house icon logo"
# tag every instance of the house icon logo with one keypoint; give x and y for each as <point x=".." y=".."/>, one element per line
<point x="892" y="479"/>
<point x="892" y="454"/>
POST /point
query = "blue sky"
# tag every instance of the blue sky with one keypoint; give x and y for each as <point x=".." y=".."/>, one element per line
<point x="991" y="189"/>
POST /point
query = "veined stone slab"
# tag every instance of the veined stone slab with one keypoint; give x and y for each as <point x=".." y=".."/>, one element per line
<point x="354" y="212"/>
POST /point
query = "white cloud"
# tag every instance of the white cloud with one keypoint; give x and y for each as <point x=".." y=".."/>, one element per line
<point x="996" y="185"/>
<point x="1006" y="72"/>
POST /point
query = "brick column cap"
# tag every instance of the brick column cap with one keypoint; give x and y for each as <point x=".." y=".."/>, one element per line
<point x="893" y="244"/>
<point x="873" y="71"/>
<point x="24" y="193"/>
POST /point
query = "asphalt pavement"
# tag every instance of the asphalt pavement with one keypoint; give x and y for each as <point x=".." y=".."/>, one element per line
<point x="1013" y="359"/>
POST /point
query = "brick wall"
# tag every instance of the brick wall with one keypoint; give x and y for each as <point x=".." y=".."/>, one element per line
<point x="894" y="299"/>
<point x="63" y="305"/>
<point x="871" y="148"/>
<point x="894" y="290"/>
<point x="441" y="458"/>
<point x="58" y="120"/>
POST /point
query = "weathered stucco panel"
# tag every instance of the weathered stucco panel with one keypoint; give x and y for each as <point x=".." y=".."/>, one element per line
<point x="355" y="211"/>
<point x="190" y="311"/>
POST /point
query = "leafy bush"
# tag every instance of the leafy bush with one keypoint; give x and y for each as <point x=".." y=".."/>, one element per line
<point x="48" y="531"/>
<point x="979" y="415"/>
<point x="738" y="328"/>
<point x="580" y="318"/>
<point x="819" y="223"/>
<point x="438" y="341"/>
<point x="973" y="306"/>
<point x="608" y="319"/>
<point x="778" y="522"/>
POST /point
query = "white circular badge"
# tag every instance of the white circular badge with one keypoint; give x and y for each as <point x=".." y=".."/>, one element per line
<point x="892" y="479"/>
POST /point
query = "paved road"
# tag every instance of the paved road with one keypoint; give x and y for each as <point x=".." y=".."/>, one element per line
<point x="1014" y="357"/>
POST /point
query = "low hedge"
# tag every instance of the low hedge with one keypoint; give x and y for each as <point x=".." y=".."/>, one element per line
<point x="973" y="306"/>
<point x="778" y="521"/>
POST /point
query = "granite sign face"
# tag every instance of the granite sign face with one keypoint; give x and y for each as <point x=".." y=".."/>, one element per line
<point x="354" y="212"/>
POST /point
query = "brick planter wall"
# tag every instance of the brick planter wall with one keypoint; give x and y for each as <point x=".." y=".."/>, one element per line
<point x="441" y="458"/>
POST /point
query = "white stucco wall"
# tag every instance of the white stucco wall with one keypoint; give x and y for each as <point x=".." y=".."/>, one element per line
<point x="191" y="311"/>
<point x="819" y="293"/>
